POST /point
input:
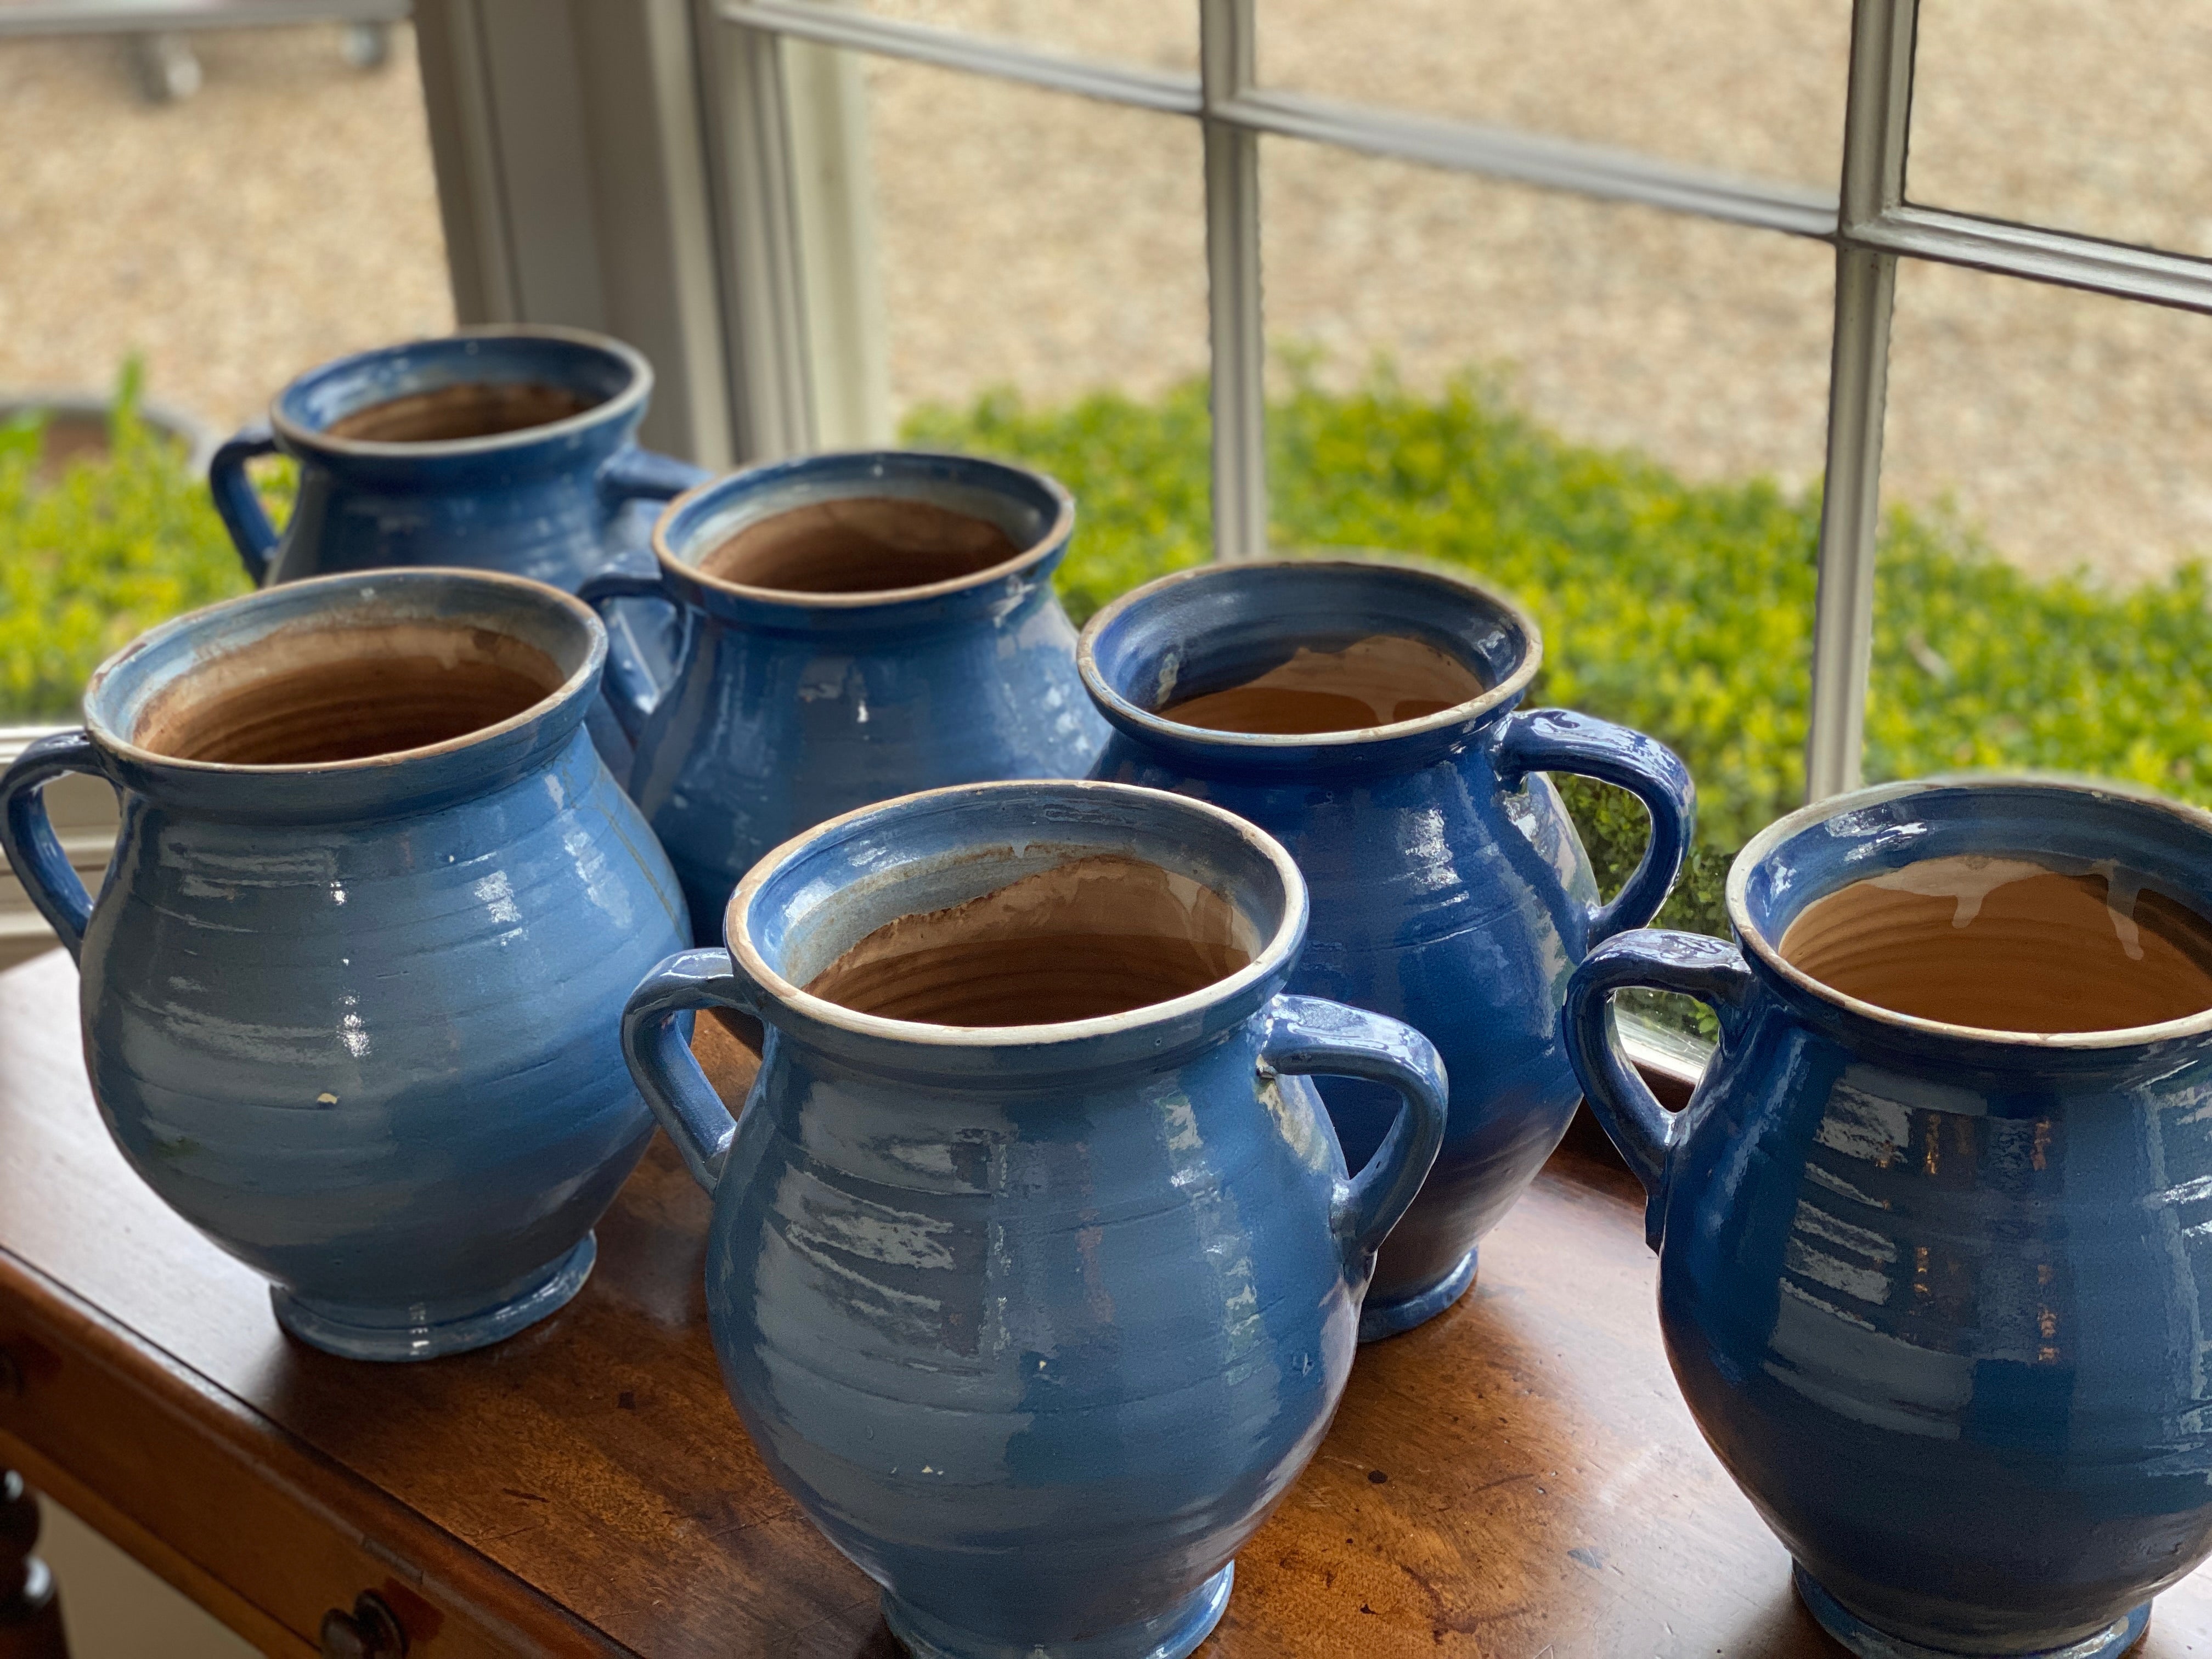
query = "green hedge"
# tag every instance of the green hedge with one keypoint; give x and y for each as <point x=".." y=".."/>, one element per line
<point x="90" y="560"/>
<point x="1683" y="609"/>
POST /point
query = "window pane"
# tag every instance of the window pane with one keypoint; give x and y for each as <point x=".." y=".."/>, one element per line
<point x="1615" y="414"/>
<point x="2038" y="604"/>
<point x="2086" y="115"/>
<point x="1042" y="262"/>
<point x="1151" y="33"/>
<point x="282" y="214"/>
<point x="1752" y="87"/>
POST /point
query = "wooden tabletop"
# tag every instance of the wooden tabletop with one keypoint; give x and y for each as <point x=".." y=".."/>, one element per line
<point x="1519" y="1477"/>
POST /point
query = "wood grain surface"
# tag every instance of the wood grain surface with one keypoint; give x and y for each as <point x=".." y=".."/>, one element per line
<point x="1519" y="1477"/>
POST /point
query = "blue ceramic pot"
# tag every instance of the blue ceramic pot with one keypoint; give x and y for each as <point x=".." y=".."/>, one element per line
<point x="1036" y="1322"/>
<point x="357" y="1019"/>
<point x="540" y="500"/>
<point x="895" y="630"/>
<point x="554" y="499"/>
<point x="1932" y="1290"/>
<point x="1449" y="889"/>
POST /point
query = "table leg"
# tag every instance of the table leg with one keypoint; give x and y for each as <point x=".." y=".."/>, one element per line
<point x="30" y="1611"/>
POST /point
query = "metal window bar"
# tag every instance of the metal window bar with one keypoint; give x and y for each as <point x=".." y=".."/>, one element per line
<point x="1237" y="358"/>
<point x="1868" y="223"/>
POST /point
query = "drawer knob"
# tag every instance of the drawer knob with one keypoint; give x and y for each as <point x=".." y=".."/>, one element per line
<point x="371" y="1630"/>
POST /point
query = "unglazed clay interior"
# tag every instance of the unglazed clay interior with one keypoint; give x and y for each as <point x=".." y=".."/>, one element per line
<point x="475" y="409"/>
<point x="2009" y="944"/>
<point x="1097" y="935"/>
<point x="859" y="545"/>
<point x="1377" y="681"/>
<point x="307" y="696"/>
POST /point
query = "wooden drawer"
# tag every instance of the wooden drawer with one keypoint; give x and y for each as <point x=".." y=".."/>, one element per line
<point x="263" y="1531"/>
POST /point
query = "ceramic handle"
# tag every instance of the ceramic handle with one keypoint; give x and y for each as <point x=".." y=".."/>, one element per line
<point x="1309" y="1036"/>
<point x="235" y="499"/>
<point x="1560" y="740"/>
<point x="27" y="833"/>
<point x="631" y="474"/>
<point x="1710" y="969"/>
<point x="629" y="690"/>
<point x="661" y="1062"/>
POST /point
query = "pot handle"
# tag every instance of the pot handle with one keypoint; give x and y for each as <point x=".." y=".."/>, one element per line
<point x="1310" y="1035"/>
<point x="632" y="474"/>
<point x="27" y="833"/>
<point x="662" y="1065"/>
<point x="1710" y="969"/>
<point x="629" y="690"/>
<point x="1560" y="740"/>
<point x="243" y="515"/>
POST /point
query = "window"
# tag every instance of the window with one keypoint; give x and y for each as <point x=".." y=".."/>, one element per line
<point x="1291" y="99"/>
<point x="1288" y="202"/>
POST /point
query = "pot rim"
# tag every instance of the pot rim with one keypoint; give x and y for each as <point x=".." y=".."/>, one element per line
<point x="1272" y="958"/>
<point x="582" y="679"/>
<point x="1757" y="849"/>
<point x="1048" y="545"/>
<point x="631" y="397"/>
<point x="1506" y="692"/>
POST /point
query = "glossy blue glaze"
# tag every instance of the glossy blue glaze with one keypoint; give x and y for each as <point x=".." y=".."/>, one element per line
<point x="787" y="708"/>
<point x="357" y="1022"/>
<point x="1937" y="1295"/>
<point x="1449" y="889"/>
<point x="1037" y="1323"/>
<point x="542" y="503"/>
<point x="555" y="503"/>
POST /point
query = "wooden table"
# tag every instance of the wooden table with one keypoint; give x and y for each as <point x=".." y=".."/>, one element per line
<point x="1518" y="1477"/>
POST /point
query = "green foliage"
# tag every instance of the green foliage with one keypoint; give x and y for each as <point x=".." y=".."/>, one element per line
<point x="1683" y="609"/>
<point x="91" y="559"/>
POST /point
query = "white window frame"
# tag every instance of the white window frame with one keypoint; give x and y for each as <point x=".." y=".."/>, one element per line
<point x="1867" y="221"/>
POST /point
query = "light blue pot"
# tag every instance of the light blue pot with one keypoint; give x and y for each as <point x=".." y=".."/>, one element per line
<point x="543" y="502"/>
<point x="1937" y="1295"/>
<point x="1449" y="889"/>
<point x="357" y="1021"/>
<point x="1037" y="1323"/>
<point x="787" y="708"/>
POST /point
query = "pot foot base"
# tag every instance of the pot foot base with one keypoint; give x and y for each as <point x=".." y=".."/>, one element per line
<point x="1864" y="1640"/>
<point x="353" y="1332"/>
<point x="1169" y="1635"/>
<point x="1379" y="1320"/>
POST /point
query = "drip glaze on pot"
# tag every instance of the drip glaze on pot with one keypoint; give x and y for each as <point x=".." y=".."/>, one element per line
<point x="1377" y="681"/>
<point x="1096" y="936"/>
<point x="859" y="545"/>
<point x="2008" y="945"/>
<point x="472" y="409"/>
<point x="313" y="697"/>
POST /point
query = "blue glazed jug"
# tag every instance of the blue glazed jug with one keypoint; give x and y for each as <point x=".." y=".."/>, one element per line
<point x="1450" y="888"/>
<point x="1936" y="1292"/>
<point x="351" y="988"/>
<point x="855" y="627"/>
<point x="1037" y="1321"/>
<point x="498" y="449"/>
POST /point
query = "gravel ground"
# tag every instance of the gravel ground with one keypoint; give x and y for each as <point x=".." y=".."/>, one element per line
<point x="286" y="214"/>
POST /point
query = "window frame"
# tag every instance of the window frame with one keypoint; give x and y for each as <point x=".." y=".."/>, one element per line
<point x="1868" y="221"/>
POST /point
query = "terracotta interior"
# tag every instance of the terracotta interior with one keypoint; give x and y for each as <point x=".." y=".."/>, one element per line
<point x="1377" y="681"/>
<point x="1097" y="935"/>
<point x="481" y="408"/>
<point x="309" y="697"/>
<point x="859" y="545"/>
<point x="2008" y="945"/>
